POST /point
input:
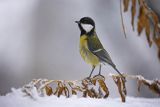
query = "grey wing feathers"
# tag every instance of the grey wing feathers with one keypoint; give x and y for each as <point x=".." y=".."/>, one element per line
<point x="104" y="57"/>
<point x="97" y="49"/>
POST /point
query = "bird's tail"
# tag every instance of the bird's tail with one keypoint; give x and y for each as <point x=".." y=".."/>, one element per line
<point x="120" y="74"/>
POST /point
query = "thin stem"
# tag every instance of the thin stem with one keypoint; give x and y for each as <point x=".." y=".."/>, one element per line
<point x="93" y="67"/>
<point x="122" y="19"/>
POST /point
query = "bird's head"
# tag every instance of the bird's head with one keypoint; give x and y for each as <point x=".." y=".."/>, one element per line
<point x="86" y="24"/>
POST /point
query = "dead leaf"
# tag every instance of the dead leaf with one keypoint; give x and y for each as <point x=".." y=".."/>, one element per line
<point x="48" y="90"/>
<point x="74" y="92"/>
<point x="66" y="91"/>
<point x="133" y="11"/>
<point x="126" y="5"/>
<point x="147" y="30"/>
<point x="154" y="85"/>
<point x="60" y="90"/>
<point x="121" y="87"/>
<point x="141" y="20"/>
<point x="104" y="88"/>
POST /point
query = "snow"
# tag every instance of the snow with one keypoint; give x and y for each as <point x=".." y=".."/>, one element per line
<point x="18" y="99"/>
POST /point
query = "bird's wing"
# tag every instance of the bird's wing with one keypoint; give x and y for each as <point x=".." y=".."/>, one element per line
<point x="97" y="49"/>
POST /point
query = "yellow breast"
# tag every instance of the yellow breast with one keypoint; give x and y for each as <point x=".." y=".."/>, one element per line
<point x="86" y="54"/>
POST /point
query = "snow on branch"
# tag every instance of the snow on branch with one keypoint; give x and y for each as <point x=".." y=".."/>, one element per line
<point x="95" y="87"/>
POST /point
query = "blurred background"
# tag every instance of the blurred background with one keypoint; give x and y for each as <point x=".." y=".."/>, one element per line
<point x="39" y="39"/>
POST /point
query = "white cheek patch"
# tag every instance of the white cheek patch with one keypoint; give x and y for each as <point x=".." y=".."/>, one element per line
<point x="87" y="27"/>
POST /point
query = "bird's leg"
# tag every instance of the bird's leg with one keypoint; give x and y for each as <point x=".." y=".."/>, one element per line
<point x="99" y="70"/>
<point x="93" y="67"/>
<point x="89" y="78"/>
<point x="99" y="74"/>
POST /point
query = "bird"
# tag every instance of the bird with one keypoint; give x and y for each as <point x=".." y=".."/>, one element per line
<point x="90" y="47"/>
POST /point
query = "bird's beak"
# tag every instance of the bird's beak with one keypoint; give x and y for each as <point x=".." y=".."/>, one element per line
<point x="77" y="22"/>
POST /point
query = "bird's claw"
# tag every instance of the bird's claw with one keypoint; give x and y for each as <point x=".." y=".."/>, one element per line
<point x="88" y="79"/>
<point x="124" y="79"/>
<point x="99" y="76"/>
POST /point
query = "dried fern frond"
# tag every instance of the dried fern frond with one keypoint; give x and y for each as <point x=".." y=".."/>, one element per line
<point x="95" y="87"/>
<point x="153" y="85"/>
<point x="147" y="19"/>
<point x="121" y="87"/>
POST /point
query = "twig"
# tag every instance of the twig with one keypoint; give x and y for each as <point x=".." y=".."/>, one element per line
<point x="122" y="19"/>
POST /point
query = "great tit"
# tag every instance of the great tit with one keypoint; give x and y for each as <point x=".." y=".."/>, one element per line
<point x="90" y="47"/>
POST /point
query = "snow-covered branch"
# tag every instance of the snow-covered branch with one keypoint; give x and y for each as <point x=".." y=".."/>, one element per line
<point x="94" y="87"/>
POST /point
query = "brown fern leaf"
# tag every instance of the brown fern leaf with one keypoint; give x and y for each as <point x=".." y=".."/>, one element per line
<point x="126" y="5"/>
<point x="104" y="88"/>
<point x="147" y="30"/>
<point x="49" y="90"/>
<point x="74" y="92"/>
<point x="92" y="93"/>
<point x="66" y="91"/>
<point x="155" y="21"/>
<point x="133" y="11"/>
<point x="56" y="91"/>
<point x="153" y="85"/>
<point x="141" y="20"/>
<point x="146" y="19"/>
<point x="121" y="87"/>
<point x="60" y="91"/>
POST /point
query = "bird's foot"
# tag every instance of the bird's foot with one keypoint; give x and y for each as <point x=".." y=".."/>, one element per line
<point x="124" y="79"/>
<point x="99" y="76"/>
<point x="87" y="80"/>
